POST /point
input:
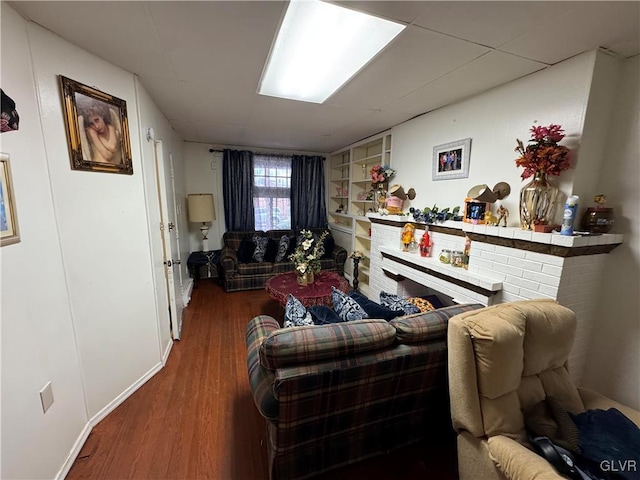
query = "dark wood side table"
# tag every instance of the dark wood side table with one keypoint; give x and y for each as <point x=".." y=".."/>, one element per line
<point x="198" y="260"/>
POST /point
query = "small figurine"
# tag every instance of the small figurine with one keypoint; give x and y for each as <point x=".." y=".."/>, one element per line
<point x="503" y="214"/>
<point x="407" y="235"/>
<point x="490" y="218"/>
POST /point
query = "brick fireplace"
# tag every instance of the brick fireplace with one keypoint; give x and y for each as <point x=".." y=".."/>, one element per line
<point x="505" y="264"/>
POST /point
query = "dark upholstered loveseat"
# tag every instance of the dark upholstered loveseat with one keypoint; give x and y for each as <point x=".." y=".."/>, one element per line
<point x="237" y="275"/>
<point x="339" y="393"/>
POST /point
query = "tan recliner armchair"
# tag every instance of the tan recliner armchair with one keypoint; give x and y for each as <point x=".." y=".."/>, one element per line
<point x="503" y="360"/>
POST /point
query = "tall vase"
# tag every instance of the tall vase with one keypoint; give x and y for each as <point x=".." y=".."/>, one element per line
<point x="537" y="202"/>
<point x="380" y="195"/>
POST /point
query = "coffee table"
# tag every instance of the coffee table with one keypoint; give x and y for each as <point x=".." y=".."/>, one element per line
<point x="317" y="293"/>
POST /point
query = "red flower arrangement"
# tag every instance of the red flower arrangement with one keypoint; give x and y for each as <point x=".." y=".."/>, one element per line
<point x="543" y="154"/>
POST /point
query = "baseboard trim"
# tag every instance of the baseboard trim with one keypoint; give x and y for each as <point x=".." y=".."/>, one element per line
<point x="186" y="292"/>
<point x="167" y="350"/>
<point x="75" y="451"/>
<point x="82" y="438"/>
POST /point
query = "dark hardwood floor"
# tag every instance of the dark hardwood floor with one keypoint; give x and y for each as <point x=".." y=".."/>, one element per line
<point x="195" y="419"/>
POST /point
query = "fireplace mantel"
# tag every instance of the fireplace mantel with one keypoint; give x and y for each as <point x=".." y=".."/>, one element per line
<point x="546" y="243"/>
<point x="505" y="265"/>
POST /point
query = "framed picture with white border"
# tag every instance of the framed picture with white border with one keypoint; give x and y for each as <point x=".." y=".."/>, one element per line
<point x="451" y="160"/>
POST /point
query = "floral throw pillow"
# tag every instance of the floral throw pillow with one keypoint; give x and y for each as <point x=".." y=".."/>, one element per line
<point x="394" y="302"/>
<point x="346" y="307"/>
<point x="283" y="247"/>
<point x="421" y="303"/>
<point x="295" y="315"/>
<point x="261" y="248"/>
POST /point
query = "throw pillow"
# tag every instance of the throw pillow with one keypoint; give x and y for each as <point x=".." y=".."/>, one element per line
<point x="283" y="248"/>
<point x="245" y="250"/>
<point x="394" y="302"/>
<point x="346" y="307"/>
<point x="272" y="251"/>
<point x="434" y="300"/>
<point x="421" y="303"/>
<point x="261" y="248"/>
<point x="321" y="315"/>
<point x="373" y="309"/>
<point x="295" y="315"/>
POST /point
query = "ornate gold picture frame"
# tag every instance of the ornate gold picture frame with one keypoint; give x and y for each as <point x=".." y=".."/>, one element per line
<point x="9" y="232"/>
<point x="97" y="129"/>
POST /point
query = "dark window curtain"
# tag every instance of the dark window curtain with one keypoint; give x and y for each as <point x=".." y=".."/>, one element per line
<point x="308" y="208"/>
<point x="237" y="189"/>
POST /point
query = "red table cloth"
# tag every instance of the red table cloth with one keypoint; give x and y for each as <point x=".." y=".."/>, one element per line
<point x="317" y="293"/>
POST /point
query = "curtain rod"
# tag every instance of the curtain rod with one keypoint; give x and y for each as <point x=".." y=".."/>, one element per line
<point x="212" y="150"/>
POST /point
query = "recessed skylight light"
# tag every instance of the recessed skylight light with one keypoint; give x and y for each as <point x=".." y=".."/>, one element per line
<point x="319" y="47"/>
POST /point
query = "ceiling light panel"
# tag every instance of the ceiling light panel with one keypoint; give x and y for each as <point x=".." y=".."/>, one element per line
<point x="319" y="47"/>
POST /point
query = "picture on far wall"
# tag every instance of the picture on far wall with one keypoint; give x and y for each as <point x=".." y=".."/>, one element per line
<point x="8" y="217"/>
<point x="451" y="160"/>
<point x="97" y="129"/>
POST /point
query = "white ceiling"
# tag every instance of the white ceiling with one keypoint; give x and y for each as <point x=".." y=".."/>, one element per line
<point x="201" y="61"/>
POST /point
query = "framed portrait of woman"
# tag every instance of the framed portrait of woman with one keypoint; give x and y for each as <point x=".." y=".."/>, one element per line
<point x="97" y="129"/>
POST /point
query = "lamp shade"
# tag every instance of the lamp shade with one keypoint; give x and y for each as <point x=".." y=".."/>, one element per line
<point x="201" y="208"/>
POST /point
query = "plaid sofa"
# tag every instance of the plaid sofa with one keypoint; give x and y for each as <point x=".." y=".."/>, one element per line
<point x="337" y="394"/>
<point x="238" y="276"/>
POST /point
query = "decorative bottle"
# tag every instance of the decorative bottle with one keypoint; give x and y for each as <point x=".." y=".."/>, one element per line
<point x="466" y="252"/>
<point x="569" y="215"/>
<point x="425" y="244"/>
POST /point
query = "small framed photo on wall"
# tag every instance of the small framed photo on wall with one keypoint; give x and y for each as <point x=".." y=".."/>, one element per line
<point x="451" y="160"/>
<point x="9" y="232"/>
<point x="97" y="129"/>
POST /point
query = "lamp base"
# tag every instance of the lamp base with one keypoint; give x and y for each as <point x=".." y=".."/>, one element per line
<point x="205" y="240"/>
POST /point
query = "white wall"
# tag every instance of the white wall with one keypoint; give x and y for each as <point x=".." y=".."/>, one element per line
<point x="37" y="331"/>
<point x="493" y="121"/>
<point x="613" y="366"/>
<point x="78" y="300"/>
<point x="203" y="174"/>
<point x="103" y="231"/>
<point x="580" y="95"/>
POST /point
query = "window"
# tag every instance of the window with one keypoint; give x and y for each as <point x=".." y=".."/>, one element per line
<point x="272" y="191"/>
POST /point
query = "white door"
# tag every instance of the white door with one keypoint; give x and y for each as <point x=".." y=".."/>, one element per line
<point x="174" y="237"/>
<point x="169" y="239"/>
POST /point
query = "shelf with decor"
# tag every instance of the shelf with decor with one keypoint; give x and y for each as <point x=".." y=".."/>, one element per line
<point x="350" y="174"/>
<point x="338" y="193"/>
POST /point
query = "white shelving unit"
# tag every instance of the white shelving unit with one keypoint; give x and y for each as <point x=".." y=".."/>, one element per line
<point x="349" y="198"/>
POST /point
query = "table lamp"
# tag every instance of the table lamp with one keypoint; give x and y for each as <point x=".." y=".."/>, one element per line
<point x="201" y="210"/>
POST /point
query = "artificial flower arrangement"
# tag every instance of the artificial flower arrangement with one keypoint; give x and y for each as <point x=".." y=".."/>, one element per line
<point x="357" y="255"/>
<point x="306" y="257"/>
<point x="543" y="154"/>
<point x="381" y="174"/>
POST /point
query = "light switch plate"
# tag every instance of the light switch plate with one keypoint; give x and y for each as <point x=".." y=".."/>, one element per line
<point x="46" y="397"/>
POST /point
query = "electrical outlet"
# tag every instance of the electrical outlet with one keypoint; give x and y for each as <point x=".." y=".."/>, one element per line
<point x="46" y="397"/>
